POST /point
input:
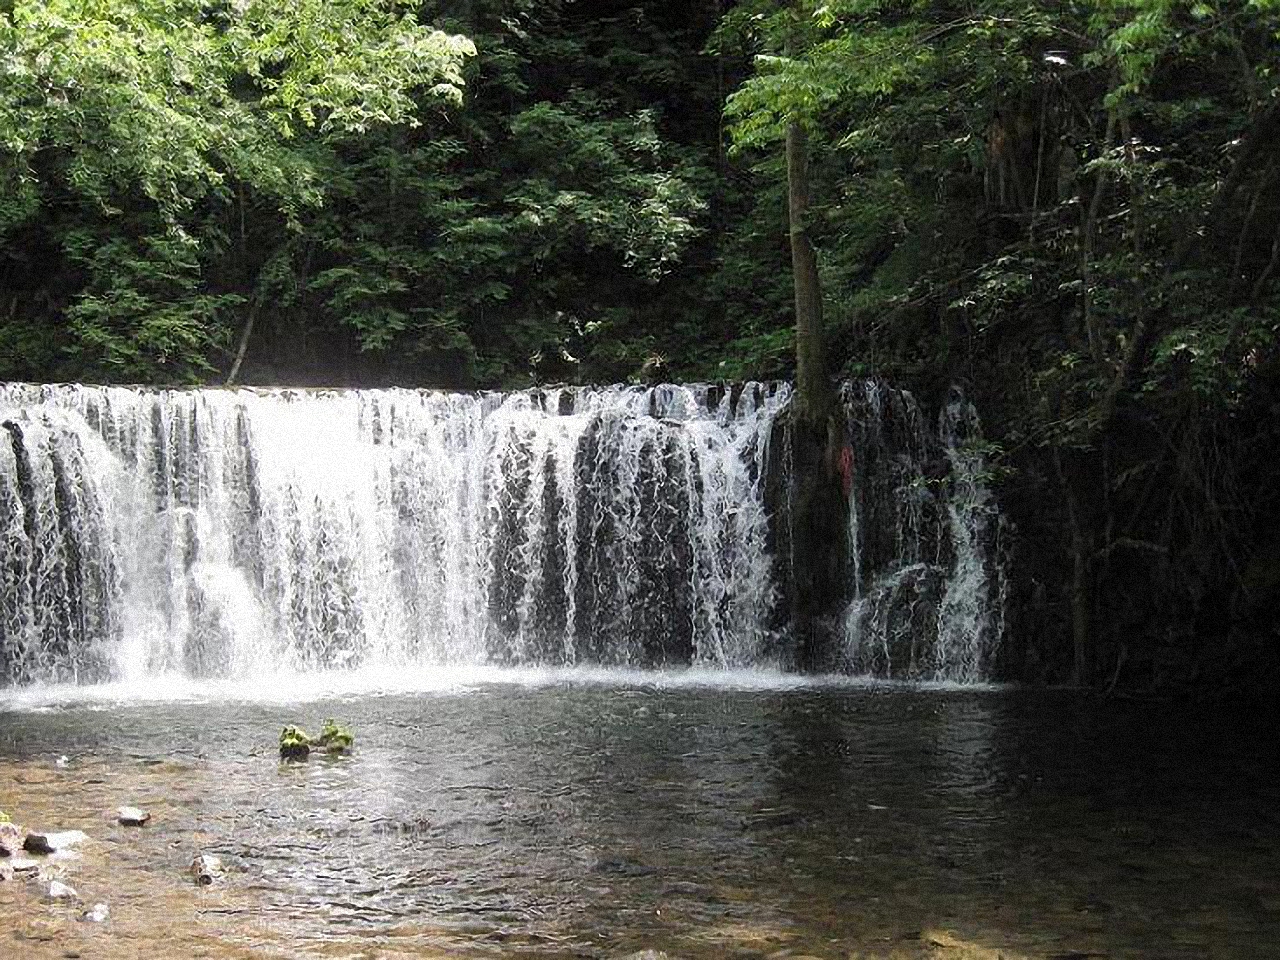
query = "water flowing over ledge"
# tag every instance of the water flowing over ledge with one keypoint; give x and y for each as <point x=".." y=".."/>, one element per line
<point x="223" y="534"/>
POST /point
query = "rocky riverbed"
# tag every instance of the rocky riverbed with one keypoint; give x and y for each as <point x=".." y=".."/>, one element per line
<point x="597" y="823"/>
<point x="153" y="909"/>
<point x="129" y="891"/>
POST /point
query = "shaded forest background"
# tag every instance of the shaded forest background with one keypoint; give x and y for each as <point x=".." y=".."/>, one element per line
<point x="1070" y="209"/>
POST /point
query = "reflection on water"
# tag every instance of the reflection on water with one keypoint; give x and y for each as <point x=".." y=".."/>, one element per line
<point x="560" y="819"/>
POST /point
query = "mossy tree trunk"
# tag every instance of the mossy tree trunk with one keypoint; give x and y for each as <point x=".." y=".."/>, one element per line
<point x="819" y="512"/>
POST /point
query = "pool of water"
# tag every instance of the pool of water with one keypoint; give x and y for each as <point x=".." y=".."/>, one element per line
<point x="595" y="815"/>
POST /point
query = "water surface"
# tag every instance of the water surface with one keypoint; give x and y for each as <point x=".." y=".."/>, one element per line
<point x="540" y="815"/>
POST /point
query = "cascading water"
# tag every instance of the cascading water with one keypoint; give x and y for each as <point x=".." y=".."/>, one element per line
<point x="220" y="533"/>
<point x="924" y="532"/>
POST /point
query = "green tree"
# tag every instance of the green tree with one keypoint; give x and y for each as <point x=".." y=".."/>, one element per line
<point x="127" y="126"/>
<point x="1069" y="209"/>
<point x="541" y="233"/>
<point x="778" y="108"/>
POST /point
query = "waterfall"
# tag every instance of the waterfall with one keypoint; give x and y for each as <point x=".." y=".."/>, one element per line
<point x="929" y="590"/>
<point x="233" y="533"/>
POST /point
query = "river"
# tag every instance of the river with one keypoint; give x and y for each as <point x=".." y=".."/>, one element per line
<point x="598" y="813"/>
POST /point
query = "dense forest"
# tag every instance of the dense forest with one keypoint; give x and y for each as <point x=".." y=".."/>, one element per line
<point x="1069" y="210"/>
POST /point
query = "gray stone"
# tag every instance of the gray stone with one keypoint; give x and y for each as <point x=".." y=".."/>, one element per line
<point x="132" y="816"/>
<point x="60" y="891"/>
<point x="46" y="843"/>
<point x="10" y="840"/>
<point x="99" y="913"/>
<point x="24" y="868"/>
<point x="205" y="869"/>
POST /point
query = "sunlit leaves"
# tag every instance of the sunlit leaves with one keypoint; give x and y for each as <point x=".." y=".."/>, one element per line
<point x="603" y="183"/>
<point x="148" y="116"/>
<point x="342" y="64"/>
<point x="174" y="96"/>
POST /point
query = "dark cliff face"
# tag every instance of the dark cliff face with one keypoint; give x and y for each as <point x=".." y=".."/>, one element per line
<point x="925" y="591"/>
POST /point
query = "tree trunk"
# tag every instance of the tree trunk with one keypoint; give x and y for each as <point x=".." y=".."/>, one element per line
<point x="1080" y="603"/>
<point x="819" y="512"/>
<point x="813" y="391"/>
<point x="1088" y="234"/>
<point x="1081" y="587"/>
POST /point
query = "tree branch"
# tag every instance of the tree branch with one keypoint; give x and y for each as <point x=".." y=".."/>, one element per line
<point x="1257" y="142"/>
<point x="244" y="344"/>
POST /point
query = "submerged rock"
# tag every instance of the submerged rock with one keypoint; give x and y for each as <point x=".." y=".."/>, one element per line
<point x="132" y="817"/>
<point x="770" y="818"/>
<point x="99" y="913"/>
<point x="943" y="943"/>
<point x="205" y="869"/>
<point x="66" y="838"/>
<point x="47" y="843"/>
<point x="624" y="868"/>
<point x="60" y="891"/>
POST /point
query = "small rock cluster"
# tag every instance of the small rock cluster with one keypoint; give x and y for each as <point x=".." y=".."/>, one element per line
<point x="26" y="854"/>
<point x="19" y="847"/>
<point x="334" y="739"/>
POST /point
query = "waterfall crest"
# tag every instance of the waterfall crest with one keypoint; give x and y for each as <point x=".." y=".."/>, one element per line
<point x="223" y="533"/>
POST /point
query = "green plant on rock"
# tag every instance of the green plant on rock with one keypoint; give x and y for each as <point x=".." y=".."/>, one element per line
<point x="335" y="738"/>
<point x="295" y="744"/>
